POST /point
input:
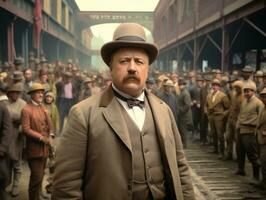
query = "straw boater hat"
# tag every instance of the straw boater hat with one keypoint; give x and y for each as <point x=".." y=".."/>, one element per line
<point x="216" y="82"/>
<point x="263" y="92"/>
<point x="35" y="87"/>
<point x="250" y="85"/>
<point x="128" y="35"/>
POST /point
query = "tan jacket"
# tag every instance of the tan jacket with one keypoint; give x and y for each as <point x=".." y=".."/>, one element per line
<point x="94" y="155"/>
<point x="261" y="127"/>
<point x="219" y="106"/>
<point x="248" y="116"/>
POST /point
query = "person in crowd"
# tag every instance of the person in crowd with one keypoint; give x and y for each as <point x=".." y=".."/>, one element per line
<point x="5" y="141"/>
<point x="261" y="134"/>
<point x="247" y="73"/>
<point x="259" y="81"/>
<point x="36" y="125"/>
<point x="246" y="125"/>
<point x="169" y="97"/>
<point x="231" y="136"/>
<point x="65" y="96"/>
<point x="86" y="90"/>
<point x="150" y="85"/>
<point x="15" y="106"/>
<point x="28" y="80"/>
<point x="106" y="150"/>
<point x="205" y="91"/>
<point x="18" y="63"/>
<point x="185" y="122"/>
<point x="51" y="108"/>
<point x="53" y="112"/>
<point x="217" y="109"/>
<point x="195" y="105"/>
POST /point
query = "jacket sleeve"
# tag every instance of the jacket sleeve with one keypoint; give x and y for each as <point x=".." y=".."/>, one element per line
<point x="71" y="158"/>
<point x="6" y="126"/>
<point x="183" y="168"/>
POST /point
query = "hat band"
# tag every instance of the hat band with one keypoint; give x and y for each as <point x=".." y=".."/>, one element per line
<point x="131" y="38"/>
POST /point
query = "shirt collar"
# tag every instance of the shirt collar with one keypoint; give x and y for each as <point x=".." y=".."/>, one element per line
<point x="35" y="103"/>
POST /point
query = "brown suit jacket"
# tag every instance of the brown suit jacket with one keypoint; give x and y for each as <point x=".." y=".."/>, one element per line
<point x="94" y="154"/>
<point x="35" y="123"/>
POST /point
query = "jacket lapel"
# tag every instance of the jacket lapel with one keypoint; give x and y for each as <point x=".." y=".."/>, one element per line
<point x="114" y="117"/>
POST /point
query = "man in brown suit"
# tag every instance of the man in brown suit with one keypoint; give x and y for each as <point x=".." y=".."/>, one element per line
<point x="217" y="109"/>
<point x="36" y="125"/>
<point x="122" y="143"/>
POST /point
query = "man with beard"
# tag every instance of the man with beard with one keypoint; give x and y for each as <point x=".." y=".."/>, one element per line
<point x="122" y="143"/>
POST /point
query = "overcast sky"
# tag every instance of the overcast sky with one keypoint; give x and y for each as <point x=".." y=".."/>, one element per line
<point x="117" y="5"/>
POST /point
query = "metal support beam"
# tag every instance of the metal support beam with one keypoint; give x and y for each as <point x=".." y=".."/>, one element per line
<point x="234" y="39"/>
<point x="201" y="47"/>
<point x="214" y="43"/>
<point x="225" y="45"/>
<point x="195" y="56"/>
<point x="255" y="27"/>
<point x="189" y="48"/>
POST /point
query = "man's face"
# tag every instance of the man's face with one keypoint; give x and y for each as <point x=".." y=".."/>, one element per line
<point x="37" y="96"/>
<point x="28" y="75"/>
<point x="246" y="75"/>
<point x="248" y="93"/>
<point x="13" y="96"/>
<point x="129" y="70"/>
<point x="215" y="87"/>
<point x="174" y="78"/>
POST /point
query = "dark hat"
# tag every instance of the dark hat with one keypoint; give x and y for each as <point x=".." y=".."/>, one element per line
<point x="128" y="35"/>
<point x="35" y="87"/>
<point x="17" y="75"/>
<point x="18" y="61"/>
<point x="248" y="69"/>
<point x="150" y="80"/>
<point x="17" y="87"/>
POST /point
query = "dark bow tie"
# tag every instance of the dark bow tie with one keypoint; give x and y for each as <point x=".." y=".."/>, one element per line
<point x="130" y="101"/>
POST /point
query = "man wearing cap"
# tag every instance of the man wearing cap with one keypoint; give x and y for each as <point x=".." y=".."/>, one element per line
<point x="169" y="97"/>
<point x="246" y="126"/>
<point x="106" y="150"/>
<point x="5" y="141"/>
<point x="15" y="106"/>
<point x="247" y="73"/>
<point x="236" y="97"/>
<point x="36" y="125"/>
<point x="18" y="62"/>
<point x="261" y="134"/>
<point x="86" y="90"/>
<point x="217" y="109"/>
<point x="185" y="123"/>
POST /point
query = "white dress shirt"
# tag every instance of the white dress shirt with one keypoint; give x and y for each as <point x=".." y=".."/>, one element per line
<point x="136" y="113"/>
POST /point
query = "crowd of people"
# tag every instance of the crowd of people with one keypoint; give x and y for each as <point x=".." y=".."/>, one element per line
<point x="35" y="101"/>
<point x="226" y="110"/>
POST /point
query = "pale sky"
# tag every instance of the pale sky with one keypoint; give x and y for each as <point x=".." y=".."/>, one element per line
<point x="117" y="5"/>
<point x="105" y="31"/>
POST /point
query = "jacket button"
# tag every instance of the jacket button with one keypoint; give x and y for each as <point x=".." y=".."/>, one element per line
<point x="129" y="186"/>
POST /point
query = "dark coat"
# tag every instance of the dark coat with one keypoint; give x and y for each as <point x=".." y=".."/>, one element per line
<point x="5" y="141"/>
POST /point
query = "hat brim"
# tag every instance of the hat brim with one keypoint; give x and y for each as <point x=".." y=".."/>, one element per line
<point x="109" y="48"/>
<point x="31" y="91"/>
